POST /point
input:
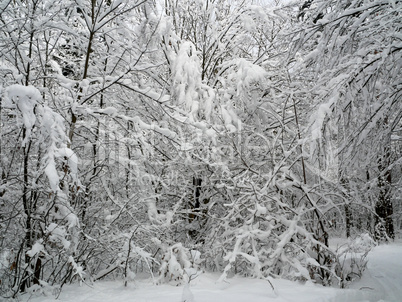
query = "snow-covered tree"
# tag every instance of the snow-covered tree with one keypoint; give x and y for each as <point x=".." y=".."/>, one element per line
<point x="39" y="170"/>
<point x="137" y="134"/>
<point x="244" y="152"/>
<point x="354" y="61"/>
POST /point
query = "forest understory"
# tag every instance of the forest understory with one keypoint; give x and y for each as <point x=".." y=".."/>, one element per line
<point x="198" y="139"/>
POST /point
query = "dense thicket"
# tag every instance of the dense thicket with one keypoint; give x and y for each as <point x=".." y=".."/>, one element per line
<point x="174" y="136"/>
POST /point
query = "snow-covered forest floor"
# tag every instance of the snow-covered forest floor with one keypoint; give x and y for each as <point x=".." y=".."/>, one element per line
<point x="381" y="281"/>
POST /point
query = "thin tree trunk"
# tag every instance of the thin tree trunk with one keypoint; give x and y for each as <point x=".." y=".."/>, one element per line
<point x="348" y="219"/>
<point x="195" y="207"/>
<point x="383" y="208"/>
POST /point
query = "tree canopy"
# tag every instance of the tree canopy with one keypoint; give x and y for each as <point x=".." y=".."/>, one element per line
<point x="174" y="136"/>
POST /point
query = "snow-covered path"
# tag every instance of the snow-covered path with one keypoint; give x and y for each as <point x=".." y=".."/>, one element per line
<point x="382" y="281"/>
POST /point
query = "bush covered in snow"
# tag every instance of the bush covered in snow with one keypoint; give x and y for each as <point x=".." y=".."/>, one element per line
<point x="179" y="265"/>
<point x="352" y="258"/>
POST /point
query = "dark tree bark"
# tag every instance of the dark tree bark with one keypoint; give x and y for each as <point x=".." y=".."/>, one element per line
<point x="195" y="206"/>
<point x="384" y="208"/>
<point x="348" y="219"/>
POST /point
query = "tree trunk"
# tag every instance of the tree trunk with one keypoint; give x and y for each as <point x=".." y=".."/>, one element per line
<point x="348" y="219"/>
<point x="384" y="208"/>
<point x="195" y="207"/>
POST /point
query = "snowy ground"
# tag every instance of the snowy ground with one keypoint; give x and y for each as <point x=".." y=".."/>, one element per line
<point x="382" y="281"/>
